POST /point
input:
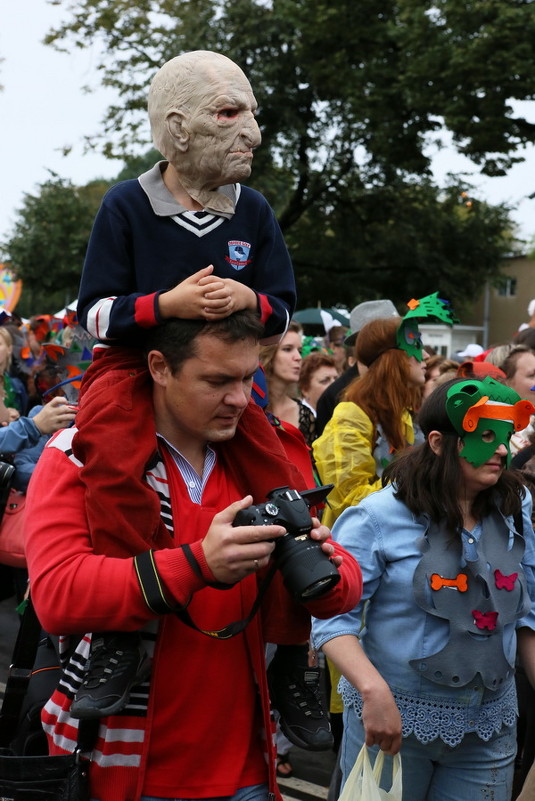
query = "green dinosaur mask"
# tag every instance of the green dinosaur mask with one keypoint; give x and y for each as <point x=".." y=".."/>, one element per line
<point x="408" y="337"/>
<point x="485" y="414"/>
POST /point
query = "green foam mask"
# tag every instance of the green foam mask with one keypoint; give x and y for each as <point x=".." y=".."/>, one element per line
<point x="485" y="414"/>
<point x="408" y="336"/>
<point x="409" y="339"/>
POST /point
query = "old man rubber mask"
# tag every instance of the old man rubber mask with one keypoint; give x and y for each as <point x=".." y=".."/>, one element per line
<point x="201" y="109"/>
<point x="485" y="414"/>
<point x="408" y="337"/>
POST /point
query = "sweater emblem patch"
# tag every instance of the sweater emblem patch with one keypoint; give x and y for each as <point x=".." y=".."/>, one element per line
<point x="238" y="254"/>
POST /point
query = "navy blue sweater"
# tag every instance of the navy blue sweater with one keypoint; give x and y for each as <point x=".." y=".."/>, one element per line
<point x="135" y="253"/>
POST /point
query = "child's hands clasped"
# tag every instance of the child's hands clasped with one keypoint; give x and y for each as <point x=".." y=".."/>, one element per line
<point x="205" y="296"/>
<point x="187" y="299"/>
<point x="233" y="297"/>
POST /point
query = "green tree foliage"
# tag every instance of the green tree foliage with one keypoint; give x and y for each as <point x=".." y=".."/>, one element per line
<point x="333" y="75"/>
<point x="47" y="247"/>
<point x="352" y="97"/>
<point x="136" y="165"/>
<point x="374" y="248"/>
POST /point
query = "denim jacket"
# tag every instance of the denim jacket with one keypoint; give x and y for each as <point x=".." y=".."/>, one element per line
<point x="386" y="539"/>
<point x="20" y="434"/>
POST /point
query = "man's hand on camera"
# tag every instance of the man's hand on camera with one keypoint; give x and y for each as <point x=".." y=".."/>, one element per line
<point x="322" y="534"/>
<point x="233" y="552"/>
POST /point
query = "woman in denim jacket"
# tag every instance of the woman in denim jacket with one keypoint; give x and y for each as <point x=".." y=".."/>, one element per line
<point x="447" y="553"/>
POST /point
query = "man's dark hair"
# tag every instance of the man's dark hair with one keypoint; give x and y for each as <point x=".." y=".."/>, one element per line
<point x="430" y="483"/>
<point x="176" y="338"/>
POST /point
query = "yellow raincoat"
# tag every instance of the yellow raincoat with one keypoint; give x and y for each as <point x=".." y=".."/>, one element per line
<point x="344" y="457"/>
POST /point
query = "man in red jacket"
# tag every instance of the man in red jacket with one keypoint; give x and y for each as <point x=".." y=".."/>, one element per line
<point x="200" y="726"/>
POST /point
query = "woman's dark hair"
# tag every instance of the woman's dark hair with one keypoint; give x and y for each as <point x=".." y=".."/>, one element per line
<point x="430" y="483"/>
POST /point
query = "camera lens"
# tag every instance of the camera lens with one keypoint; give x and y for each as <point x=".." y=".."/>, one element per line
<point x="306" y="570"/>
<point x="318" y="588"/>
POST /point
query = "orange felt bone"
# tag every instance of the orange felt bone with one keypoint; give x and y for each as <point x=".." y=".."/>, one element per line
<point x="518" y="414"/>
<point x="460" y="583"/>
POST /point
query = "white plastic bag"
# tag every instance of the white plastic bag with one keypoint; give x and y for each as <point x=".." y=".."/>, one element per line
<point x="363" y="782"/>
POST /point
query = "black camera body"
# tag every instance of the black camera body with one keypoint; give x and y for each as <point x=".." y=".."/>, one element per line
<point x="6" y="476"/>
<point x="307" y="571"/>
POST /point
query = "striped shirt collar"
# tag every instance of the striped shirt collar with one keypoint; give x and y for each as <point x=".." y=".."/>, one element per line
<point x="195" y="484"/>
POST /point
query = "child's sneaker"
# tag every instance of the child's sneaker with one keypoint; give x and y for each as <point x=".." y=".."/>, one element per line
<point x="116" y="663"/>
<point x="295" y="693"/>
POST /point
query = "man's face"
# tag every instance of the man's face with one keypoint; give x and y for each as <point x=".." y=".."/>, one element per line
<point x="205" y="399"/>
<point x="222" y="128"/>
<point x="523" y="378"/>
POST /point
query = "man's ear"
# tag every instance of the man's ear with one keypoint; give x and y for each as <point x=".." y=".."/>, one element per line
<point x="158" y="367"/>
<point x="175" y="122"/>
<point x="434" y="439"/>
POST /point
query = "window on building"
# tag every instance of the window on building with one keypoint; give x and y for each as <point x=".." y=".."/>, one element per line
<point x="507" y="287"/>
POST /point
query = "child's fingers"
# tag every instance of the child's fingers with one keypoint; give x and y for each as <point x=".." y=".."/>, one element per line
<point x="217" y="294"/>
<point x="216" y="314"/>
<point x="203" y="274"/>
<point x="211" y="281"/>
<point x="213" y="304"/>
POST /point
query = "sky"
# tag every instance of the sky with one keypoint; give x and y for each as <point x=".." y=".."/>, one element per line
<point x="43" y="109"/>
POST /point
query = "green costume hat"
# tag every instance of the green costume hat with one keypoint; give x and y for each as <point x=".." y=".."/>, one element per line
<point x="485" y="414"/>
<point x="408" y="337"/>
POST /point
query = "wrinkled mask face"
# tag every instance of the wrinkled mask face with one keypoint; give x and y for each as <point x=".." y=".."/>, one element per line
<point x="480" y="445"/>
<point x="409" y="339"/>
<point x="221" y="128"/>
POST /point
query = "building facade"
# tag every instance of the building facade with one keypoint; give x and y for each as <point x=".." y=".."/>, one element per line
<point x="495" y="316"/>
<point x="500" y="310"/>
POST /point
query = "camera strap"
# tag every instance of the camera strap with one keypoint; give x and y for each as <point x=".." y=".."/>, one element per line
<point x="156" y="599"/>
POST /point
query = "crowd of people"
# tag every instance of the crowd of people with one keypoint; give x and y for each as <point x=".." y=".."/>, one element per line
<point x="38" y="398"/>
<point x="171" y="572"/>
<point x="389" y="405"/>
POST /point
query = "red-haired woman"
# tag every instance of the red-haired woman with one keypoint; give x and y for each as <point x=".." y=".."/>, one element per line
<point x="375" y="419"/>
<point x="318" y="371"/>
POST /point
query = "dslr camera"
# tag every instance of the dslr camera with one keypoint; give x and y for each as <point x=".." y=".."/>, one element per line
<point x="306" y="570"/>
